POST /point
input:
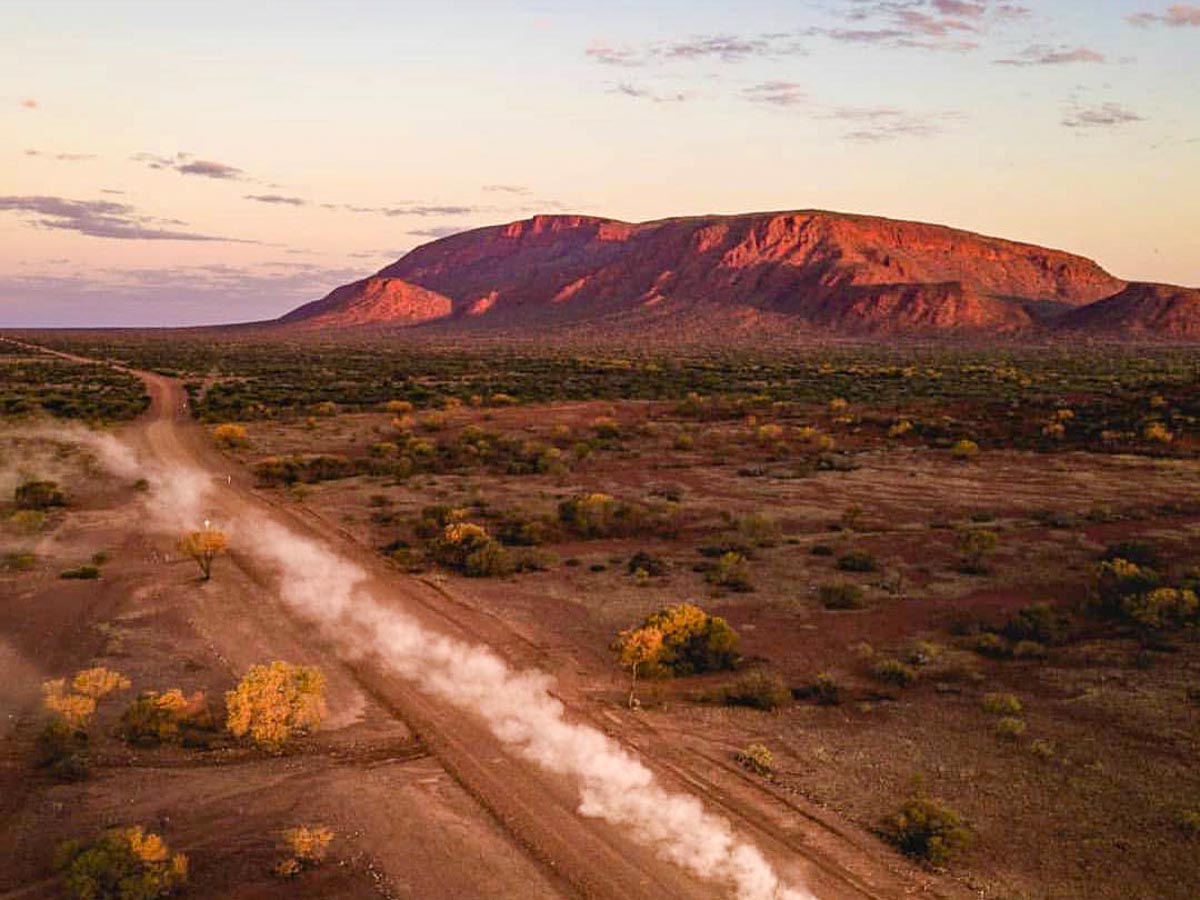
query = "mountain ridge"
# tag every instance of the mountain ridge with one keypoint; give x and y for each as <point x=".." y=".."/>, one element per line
<point x="838" y="273"/>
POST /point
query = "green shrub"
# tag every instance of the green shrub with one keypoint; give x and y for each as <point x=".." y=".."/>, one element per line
<point x="731" y="571"/>
<point x="155" y="718"/>
<point x="894" y="672"/>
<point x="123" y="864"/>
<point x="758" y="690"/>
<point x="39" y="495"/>
<point x="489" y="561"/>
<point x="1038" y="622"/>
<point x="646" y="562"/>
<point x="82" y="573"/>
<point x="992" y="646"/>
<point x="1010" y="727"/>
<point x="1139" y="552"/>
<point x="60" y="749"/>
<point x="757" y="758"/>
<point x="927" y="829"/>
<point x="17" y="562"/>
<point x="841" y="595"/>
<point x="825" y="690"/>
<point x="1001" y="704"/>
<point x="857" y="561"/>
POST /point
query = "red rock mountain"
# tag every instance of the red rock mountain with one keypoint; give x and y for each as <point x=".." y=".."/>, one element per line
<point x="811" y="270"/>
<point x="1161" y="310"/>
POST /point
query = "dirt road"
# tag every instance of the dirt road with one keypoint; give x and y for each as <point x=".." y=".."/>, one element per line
<point x="538" y="811"/>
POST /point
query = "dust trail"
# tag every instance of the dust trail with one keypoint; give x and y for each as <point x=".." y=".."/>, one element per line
<point x="520" y="711"/>
<point x="517" y="706"/>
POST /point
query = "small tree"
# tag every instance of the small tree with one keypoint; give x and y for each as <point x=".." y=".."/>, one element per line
<point x="124" y="864"/>
<point x="271" y="703"/>
<point x="204" y="547"/>
<point x="230" y="435"/>
<point x="975" y="545"/>
<point x="636" y="648"/>
<point x="306" y="846"/>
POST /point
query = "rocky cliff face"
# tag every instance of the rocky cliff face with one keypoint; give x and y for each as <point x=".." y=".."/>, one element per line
<point x="852" y="274"/>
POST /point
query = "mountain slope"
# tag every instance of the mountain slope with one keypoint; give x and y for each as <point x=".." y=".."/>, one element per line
<point x="812" y="270"/>
<point x="1141" y="309"/>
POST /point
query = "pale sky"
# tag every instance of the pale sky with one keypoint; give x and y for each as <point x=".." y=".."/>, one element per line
<point x="177" y="162"/>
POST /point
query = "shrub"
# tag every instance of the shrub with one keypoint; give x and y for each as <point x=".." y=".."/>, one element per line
<point x="59" y="748"/>
<point x="306" y="846"/>
<point x="731" y="571"/>
<point x="645" y="562"/>
<point x="927" y="829"/>
<point x="17" y="562"/>
<point x="230" y="436"/>
<point x="993" y="646"/>
<point x="204" y="547"/>
<point x="39" y="495"/>
<point x="155" y="718"/>
<point x="975" y="545"/>
<point x="76" y="703"/>
<point x="759" y="530"/>
<point x="27" y="521"/>
<point x="964" y="450"/>
<point x="758" y="690"/>
<point x="841" y="595"/>
<point x="123" y="864"/>
<point x="857" y="561"/>
<point x="821" y="550"/>
<point x="1010" y="727"/>
<point x="1000" y="704"/>
<point x="894" y="672"/>
<point x="757" y="758"/>
<point x="272" y="703"/>
<point x="1038" y="622"/>
<point x="692" y="641"/>
<point x="826" y="690"/>
<point x="81" y="573"/>
<point x="1139" y="552"/>
<point x="469" y="549"/>
<point x="488" y="561"/>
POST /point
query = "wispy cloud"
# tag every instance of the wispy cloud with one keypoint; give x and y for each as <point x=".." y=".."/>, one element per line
<point x="99" y="218"/>
<point x="518" y="190"/>
<point x="406" y="209"/>
<point x="1046" y="55"/>
<point x="777" y="93"/>
<point x="436" y="231"/>
<point x="865" y="124"/>
<point x="1106" y="115"/>
<point x="277" y="199"/>
<point x="62" y="157"/>
<point x="187" y="164"/>
<point x="639" y="93"/>
<point x="29" y="103"/>
<point x="724" y="48"/>
<point x="1178" y="15"/>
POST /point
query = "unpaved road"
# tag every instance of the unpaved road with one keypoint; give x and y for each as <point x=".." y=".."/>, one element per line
<point x="538" y="811"/>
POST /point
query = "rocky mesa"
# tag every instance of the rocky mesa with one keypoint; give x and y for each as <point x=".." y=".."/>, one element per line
<point x="813" y="270"/>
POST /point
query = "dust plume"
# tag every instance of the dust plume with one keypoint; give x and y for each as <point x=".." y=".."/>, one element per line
<point x="520" y="710"/>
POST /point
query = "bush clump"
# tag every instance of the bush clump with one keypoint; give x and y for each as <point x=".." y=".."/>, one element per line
<point x="928" y="830"/>
<point x="841" y="595"/>
<point x="857" y="561"/>
<point x="894" y="672"/>
<point x="758" y="690"/>
<point x="306" y="847"/>
<point x="86" y="572"/>
<point x="468" y="548"/>
<point x="39" y="495"/>
<point x="689" y="641"/>
<point x="1001" y="704"/>
<point x="757" y="758"/>
<point x="123" y="864"/>
<point x="731" y="571"/>
<point x="159" y="718"/>
<point x="273" y="703"/>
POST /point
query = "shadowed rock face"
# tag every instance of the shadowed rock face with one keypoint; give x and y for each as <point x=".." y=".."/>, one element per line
<point x="828" y="271"/>
<point x="1141" y="309"/>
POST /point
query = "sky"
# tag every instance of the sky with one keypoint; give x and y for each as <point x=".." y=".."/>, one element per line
<point x="168" y="162"/>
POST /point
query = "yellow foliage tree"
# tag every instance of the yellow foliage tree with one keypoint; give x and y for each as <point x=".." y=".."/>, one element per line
<point x="271" y="703"/>
<point x="204" y="547"/>
<point x="230" y="435"/>
<point x="125" y="863"/>
<point x="636" y="648"/>
<point x="76" y="704"/>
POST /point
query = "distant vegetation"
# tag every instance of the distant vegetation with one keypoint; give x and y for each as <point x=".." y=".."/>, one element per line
<point x="32" y="383"/>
